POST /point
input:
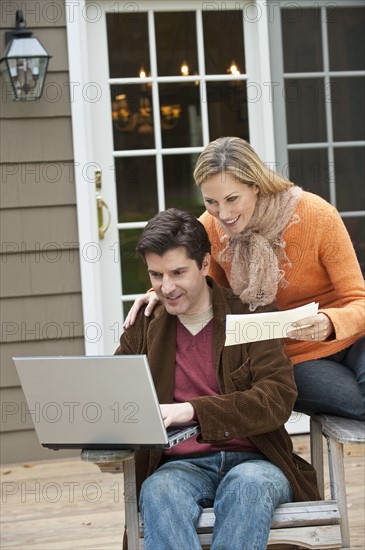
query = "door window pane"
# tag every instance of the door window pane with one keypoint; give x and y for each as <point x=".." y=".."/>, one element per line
<point x="180" y="115"/>
<point x="346" y="38"/>
<point x="132" y="116"/>
<point x="350" y="190"/>
<point x="356" y="229"/>
<point x="180" y="188"/>
<point x="348" y="108"/>
<point x="135" y="278"/>
<point x="309" y="169"/>
<point x="302" y="41"/>
<point x="223" y="41"/>
<point x="176" y="43"/>
<point x="305" y="110"/>
<point x="227" y="109"/>
<point x="127" y="44"/>
<point x="136" y="184"/>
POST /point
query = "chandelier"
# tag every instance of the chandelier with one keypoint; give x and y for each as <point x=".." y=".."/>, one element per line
<point x="127" y="119"/>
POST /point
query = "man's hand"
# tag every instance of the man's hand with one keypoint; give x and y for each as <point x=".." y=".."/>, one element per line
<point x="150" y="298"/>
<point x="177" y="413"/>
<point x="317" y="328"/>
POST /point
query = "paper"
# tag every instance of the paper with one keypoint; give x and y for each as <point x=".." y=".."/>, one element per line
<point x="254" y="327"/>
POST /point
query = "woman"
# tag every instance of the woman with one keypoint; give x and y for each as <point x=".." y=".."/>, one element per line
<point x="271" y="241"/>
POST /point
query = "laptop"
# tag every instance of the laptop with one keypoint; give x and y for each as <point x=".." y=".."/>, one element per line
<point x="103" y="402"/>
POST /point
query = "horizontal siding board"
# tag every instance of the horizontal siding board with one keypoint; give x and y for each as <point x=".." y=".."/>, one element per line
<point x="55" y="100"/>
<point x="20" y="446"/>
<point x="38" y="229"/>
<point x="37" y="14"/>
<point x="55" y="271"/>
<point x="15" y="414"/>
<point x="54" y="40"/>
<point x="9" y="376"/>
<point x="37" y="184"/>
<point x="36" y="140"/>
<point x="43" y="318"/>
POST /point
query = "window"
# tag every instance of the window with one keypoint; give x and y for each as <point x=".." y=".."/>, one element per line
<point x="320" y="128"/>
<point x="175" y="84"/>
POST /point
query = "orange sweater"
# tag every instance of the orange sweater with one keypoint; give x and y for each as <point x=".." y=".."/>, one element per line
<point x="324" y="270"/>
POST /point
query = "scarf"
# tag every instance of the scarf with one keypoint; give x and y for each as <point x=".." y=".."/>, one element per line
<point x="258" y="252"/>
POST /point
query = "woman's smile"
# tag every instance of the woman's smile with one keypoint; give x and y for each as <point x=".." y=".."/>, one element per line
<point x="229" y="200"/>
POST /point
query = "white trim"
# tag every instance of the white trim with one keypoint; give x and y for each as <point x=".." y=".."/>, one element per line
<point x="328" y="110"/>
<point x="353" y="214"/>
<point x="318" y="74"/>
<point x="177" y="79"/>
<point x="324" y="145"/>
<point x="294" y="4"/>
<point x="85" y="194"/>
<point x="99" y="317"/>
<point x="257" y="54"/>
<point x="201" y="70"/>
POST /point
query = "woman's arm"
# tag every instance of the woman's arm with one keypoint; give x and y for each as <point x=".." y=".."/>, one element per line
<point x="150" y="298"/>
<point x="337" y="254"/>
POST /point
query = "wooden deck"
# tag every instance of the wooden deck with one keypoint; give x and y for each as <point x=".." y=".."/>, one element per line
<point x="71" y="505"/>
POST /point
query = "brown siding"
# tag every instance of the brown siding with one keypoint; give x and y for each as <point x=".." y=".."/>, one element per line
<point x="40" y="288"/>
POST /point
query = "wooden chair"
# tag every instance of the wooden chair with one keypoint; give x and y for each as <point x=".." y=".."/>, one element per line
<point x="314" y="525"/>
<point x="339" y="432"/>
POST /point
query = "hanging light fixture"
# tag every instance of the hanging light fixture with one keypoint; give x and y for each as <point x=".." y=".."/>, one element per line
<point x="233" y="69"/>
<point x="25" y="62"/>
<point x="184" y="69"/>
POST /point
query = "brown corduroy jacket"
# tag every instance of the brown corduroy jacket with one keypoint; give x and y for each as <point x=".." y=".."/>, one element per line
<point x="256" y="383"/>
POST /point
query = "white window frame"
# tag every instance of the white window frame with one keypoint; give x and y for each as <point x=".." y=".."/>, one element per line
<point x="282" y="145"/>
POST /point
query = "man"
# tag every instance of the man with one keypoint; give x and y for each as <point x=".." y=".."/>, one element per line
<point x="242" y="462"/>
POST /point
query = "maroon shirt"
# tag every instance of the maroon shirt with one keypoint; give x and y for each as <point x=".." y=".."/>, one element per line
<point x="195" y="377"/>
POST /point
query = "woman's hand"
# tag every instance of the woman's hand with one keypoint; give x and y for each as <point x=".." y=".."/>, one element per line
<point x="317" y="328"/>
<point x="177" y="413"/>
<point x="150" y="298"/>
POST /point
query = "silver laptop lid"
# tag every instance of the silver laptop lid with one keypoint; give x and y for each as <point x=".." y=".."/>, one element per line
<point x="92" y="402"/>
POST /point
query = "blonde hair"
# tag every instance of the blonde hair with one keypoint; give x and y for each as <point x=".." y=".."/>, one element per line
<point x="235" y="156"/>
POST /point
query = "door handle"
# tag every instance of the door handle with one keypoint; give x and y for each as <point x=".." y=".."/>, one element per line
<point x="100" y="205"/>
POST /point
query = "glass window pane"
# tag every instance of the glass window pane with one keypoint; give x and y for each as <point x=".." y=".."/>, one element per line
<point x="227" y="109"/>
<point x="350" y="190"/>
<point x="356" y="229"/>
<point x="127" y="44"/>
<point x="302" y="40"/>
<point x="136" y="184"/>
<point x="176" y="42"/>
<point x="305" y="110"/>
<point x="309" y="169"/>
<point x="132" y="116"/>
<point x="223" y="41"/>
<point x="135" y="278"/>
<point x="180" y="188"/>
<point x="180" y="115"/>
<point x="346" y="38"/>
<point x="348" y="108"/>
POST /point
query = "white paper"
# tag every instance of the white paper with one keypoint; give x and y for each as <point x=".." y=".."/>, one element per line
<point x="254" y="327"/>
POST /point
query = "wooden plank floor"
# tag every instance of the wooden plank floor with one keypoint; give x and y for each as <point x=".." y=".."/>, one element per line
<point x="70" y="505"/>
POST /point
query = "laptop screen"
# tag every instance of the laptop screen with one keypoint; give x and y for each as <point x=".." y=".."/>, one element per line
<point x="92" y="402"/>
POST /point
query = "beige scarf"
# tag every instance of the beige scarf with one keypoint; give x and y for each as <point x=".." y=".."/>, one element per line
<point x="258" y="252"/>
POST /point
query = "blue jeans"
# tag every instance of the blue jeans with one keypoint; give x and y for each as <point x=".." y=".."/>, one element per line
<point x="244" y="488"/>
<point x="333" y="384"/>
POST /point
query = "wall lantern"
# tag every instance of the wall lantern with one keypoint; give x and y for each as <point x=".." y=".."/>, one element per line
<point x="25" y="62"/>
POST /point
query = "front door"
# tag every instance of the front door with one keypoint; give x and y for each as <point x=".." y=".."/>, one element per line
<point x="159" y="80"/>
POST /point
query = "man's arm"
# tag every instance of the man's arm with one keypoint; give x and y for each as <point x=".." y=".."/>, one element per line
<point x="177" y="413"/>
<point x="131" y="341"/>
